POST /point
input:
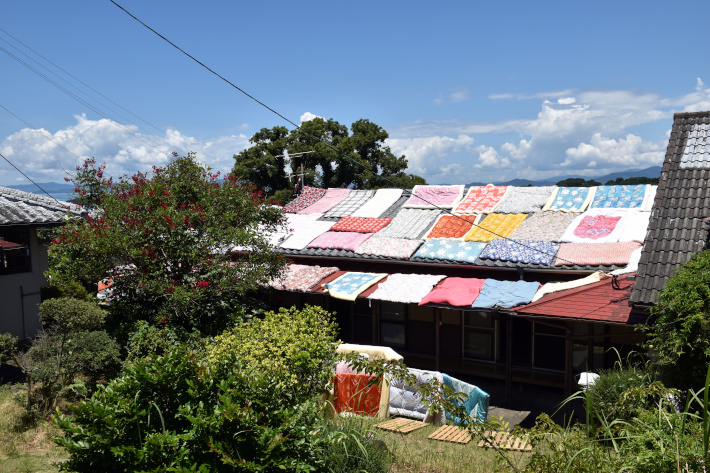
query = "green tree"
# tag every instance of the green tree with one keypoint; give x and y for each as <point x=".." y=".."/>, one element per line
<point x="680" y="334"/>
<point x="632" y="181"/>
<point x="165" y="240"/>
<point x="578" y="182"/>
<point x="370" y="159"/>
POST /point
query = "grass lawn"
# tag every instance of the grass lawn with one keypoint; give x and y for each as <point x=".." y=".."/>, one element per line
<point x="30" y="450"/>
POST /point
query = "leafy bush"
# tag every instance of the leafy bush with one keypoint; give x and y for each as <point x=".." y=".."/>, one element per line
<point x="147" y="340"/>
<point x="603" y="397"/>
<point x="72" y="289"/>
<point x="177" y="413"/>
<point x="296" y="346"/>
<point x="354" y="448"/>
<point x="67" y="315"/>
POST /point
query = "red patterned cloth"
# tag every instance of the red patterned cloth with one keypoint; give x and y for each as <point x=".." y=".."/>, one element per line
<point x="596" y="226"/>
<point x="452" y="227"/>
<point x="308" y="196"/>
<point x="481" y="199"/>
<point x="354" y="393"/>
<point x="306" y="278"/>
<point x="360" y="224"/>
<point x="596" y="254"/>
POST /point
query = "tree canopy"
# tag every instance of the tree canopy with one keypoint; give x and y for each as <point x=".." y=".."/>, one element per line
<point x="165" y="239"/>
<point x="264" y="164"/>
<point x="578" y="182"/>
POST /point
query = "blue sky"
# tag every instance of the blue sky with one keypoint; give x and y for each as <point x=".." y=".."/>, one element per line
<point x="468" y="91"/>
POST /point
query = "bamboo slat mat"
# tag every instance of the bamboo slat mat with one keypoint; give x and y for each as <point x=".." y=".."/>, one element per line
<point x="503" y="441"/>
<point x="401" y="425"/>
<point x="451" y="433"/>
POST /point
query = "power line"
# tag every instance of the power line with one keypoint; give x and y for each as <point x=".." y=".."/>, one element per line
<point x="33" y="182"/>
<point x="317" y="138"/>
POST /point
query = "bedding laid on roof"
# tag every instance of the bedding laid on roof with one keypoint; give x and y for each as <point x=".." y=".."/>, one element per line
<point x="350" y="204"/>
<point x="398" y="248"/>
<point x="596" y="226"/>
<point x="382" y="200"/>
<point x="332" y="197"/>
<point x="451" y="250"/>
<point x="481" y="199"/>
<point x="305" y="279"/>
<point x="524" y="200"/>
<point x="521" y="251"/>
<point x="570" y="199"/>
<point x="544" y="226"/>
<point x="411" y="224"/>
<point x="620" y="197"/>
<point x="636" y="226"/>
<point x="360" y="224"/>
<point x="303" y="236"/>
<point x="406" y="288"/>
<point x="595" y="254"/>
<point x="350" y="285"/>
<point x="348" y="241"/>
<point x="457" y="292"/>
<point x="309" y="196"/>
<point x="452" y="227"/>
<point x="505" y="294"/>
<point x="431" y="197"/>
<point x="551" y="287"/>
<point x="495" y="226"/>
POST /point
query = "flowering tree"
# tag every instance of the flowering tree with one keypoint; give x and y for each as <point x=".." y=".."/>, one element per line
<point x="164" y="240"/>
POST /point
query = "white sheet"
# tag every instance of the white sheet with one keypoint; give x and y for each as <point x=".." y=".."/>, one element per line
<point x="613" y="237"/>
<point x="383" y="200"/>
<point x="303" y="236"/>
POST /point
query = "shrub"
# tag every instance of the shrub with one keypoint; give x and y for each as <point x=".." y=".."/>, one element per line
<point x="147" y="340"/>
<point x="352" y="447"/>
<point x="603" y="397"/>
<point x="67" y="315"/>
<point x="71" y="289"/>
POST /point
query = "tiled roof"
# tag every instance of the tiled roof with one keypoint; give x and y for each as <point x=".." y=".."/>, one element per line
<point x="600" y="301"/>
<point x="678" y="227"/>
<point x="24" y="208"/>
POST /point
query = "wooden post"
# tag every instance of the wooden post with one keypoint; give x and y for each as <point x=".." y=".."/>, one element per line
<point x="437" y="323"/>
<point x="375" y="324"/>
<point x="569" y="376"/>
<point x="509" y="361"/>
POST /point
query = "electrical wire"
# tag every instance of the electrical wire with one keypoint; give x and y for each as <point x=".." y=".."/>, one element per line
<point x="315" y="137"/>
<point x="33" y="182"/>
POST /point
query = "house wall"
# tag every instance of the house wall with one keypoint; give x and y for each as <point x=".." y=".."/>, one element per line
<point x="19" y="294"/>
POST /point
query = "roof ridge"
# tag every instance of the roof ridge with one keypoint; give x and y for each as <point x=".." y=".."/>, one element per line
<point x="24" y="196"/>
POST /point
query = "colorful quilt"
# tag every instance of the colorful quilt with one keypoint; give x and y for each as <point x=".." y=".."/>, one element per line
<point x="544" y="226"/>
<point x="451" y="250"/>
<point x="476" y="402"/>
<point x="348" y="241"/>
<point x="505" y="294"/>
<point x="360" y="224"/>
<point x="432" y="197"/>
<point x="636" y="226"/>
<point x="495" y="226"/>
<point x="457" y="292"/>
<point x="521" y="251"/>
<point x="570" y="199"/>
<point x="332" y="197"/>
<point x="350" y="204"/>
<point x="596" y="226"/>
<point x="452" y="227"/>
<point x="308" y="196"/>
<point x="383" y="200"/>
<point x="524" y="200"/>
<point x="619" y="197"/>
<point x="354" y="393"/>
<point x="411" y="224"/>
<point x="596" y="254"/>
<point x="303" y="236"/>
<point x="350" y="285"/>
<point x="288" y="270"/>
<point x="306" y="279"/>
<point x="398" y="248"/>
<point x="481" y="199"/>
<point x="406" y="288"/>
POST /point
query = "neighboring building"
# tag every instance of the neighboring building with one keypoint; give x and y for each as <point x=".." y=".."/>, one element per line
<point x="23" y="257"/>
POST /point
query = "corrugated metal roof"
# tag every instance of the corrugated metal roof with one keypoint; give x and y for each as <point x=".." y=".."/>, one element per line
<point x="24" y="208"/>
<point x="678" y="227"/>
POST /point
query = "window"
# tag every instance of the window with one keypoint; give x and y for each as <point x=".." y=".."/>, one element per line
<point x="15" y="251"/>
<point x="548" y="347"/>
<point x="362" y="321"/>
<point x="392" y="323"/>
<point x="479" y="335"/>
<point x="421" y="331"/>
<point x="450" y="333"/>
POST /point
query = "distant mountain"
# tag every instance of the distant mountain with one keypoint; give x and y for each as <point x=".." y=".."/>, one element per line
<point x="51" y="187"/>
<point x="653" y="171"/>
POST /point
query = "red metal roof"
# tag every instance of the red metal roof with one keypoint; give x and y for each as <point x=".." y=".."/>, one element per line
<point x="600" y="301"/>
<point x="7" y="245"/>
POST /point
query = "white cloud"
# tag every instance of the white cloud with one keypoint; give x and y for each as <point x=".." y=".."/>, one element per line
<point x="453" y="95"/>
<point x="308" y="116"/>
<point x="426" y="154"/>
<point x="566" y="100"/>
<point x="488" y="158"/>
<point x="628" y="152"/>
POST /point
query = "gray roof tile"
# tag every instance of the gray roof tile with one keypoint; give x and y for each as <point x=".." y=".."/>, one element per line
<point x="24" y="208"/>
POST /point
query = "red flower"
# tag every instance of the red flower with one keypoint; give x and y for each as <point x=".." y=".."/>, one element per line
<point x="165" y="320"/>
<point x="203" y="284"/>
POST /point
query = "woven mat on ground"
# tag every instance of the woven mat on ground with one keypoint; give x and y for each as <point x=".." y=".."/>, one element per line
<point x="457" y="292"/>
<point x="354" y="394"/>
<point x="451" y="250"/>
<point x="411" y="224"/>
<point x="524" y="200"/>
<point x="543" y="226"/>
<point x="375" y="207"/>
<point x="452" y="227"/>
<point x="431" y="197"/>
<point x="350" y="204"/>
<point x="360" y="224"/>
<point x="570" y="199"/>
<point x="307" y="278"/>
<point x="405" y="288"/>
<point x="500" y="226"/>
<point x="481" y="199"/>
<point x="505" y="294"/>
<point x="350" y="285"/>
<point x="596" y="254"/>
<point x="521" y="251"/>
<point x="451" y="433"/>
<point x="339" y="240"/>
<point x="505" y="441"/>
<point x="401" y="425"/>
<point x="619" y="197"/>
<point x="398" y="248"/>
<point x="332" y="197"/>
<point x="596" y="226"/>
<point x="309" y="196"/>
<point x="303" y="236"/>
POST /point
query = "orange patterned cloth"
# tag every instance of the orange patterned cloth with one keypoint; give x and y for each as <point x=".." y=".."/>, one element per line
<point x="452" y="227"/>
<point x="481" y="199"/>
<point x="354" y="393"/>
<point x="500" y="226"/>
<point x="360" y="224"/>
